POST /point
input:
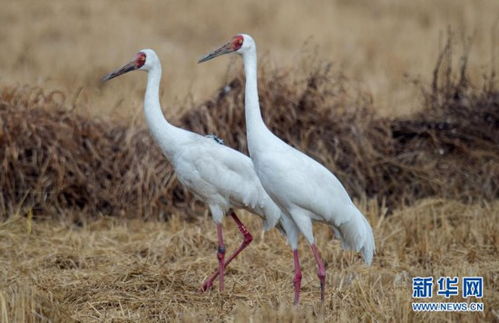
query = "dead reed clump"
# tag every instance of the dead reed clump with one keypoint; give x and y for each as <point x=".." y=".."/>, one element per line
<point x="53" y="159"/>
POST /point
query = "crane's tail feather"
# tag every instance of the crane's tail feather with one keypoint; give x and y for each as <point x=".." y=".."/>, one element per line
<point x="356" y="234"/>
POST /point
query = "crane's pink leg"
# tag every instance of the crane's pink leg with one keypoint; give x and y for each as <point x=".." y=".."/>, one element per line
<point x="247" y="240"/>
<point x="220" y="255"/>
<point x="297" y="279"/>
<point x="321" y="271"/>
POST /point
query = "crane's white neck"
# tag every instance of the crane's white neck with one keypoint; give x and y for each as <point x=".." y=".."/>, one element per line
<point x="152" y="90"/>
<point x="256" y="130"/>
<point x="163" y="132"/>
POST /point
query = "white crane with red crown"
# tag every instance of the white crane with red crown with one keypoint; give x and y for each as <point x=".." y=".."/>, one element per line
<point x="218" y="175"/>
<point x="303" y="188"/>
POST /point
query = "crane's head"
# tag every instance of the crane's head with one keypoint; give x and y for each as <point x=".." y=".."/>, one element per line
<point x="238" y="44"/>
<point x="143" y="60"/>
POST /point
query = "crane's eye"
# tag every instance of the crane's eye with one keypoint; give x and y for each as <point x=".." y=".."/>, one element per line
<point x="141" y="60"/>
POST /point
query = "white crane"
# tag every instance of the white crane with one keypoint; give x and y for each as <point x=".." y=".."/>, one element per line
<point x="218" y="175"/>
<point x="303" y="188"/>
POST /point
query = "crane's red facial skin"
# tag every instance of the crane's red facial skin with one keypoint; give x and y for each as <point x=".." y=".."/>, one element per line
<point x="140" y="60"/>
<point x="237" y="42"/>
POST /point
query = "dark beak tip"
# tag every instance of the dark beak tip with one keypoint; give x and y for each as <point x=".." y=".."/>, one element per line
<point x="107" y="77"/>
<point x="204" y="59"/>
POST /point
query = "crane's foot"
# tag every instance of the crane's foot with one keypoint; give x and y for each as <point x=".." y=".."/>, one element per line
<point x="207" y="285"/>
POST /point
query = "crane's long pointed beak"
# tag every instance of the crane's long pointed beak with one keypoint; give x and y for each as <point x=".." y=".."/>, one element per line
<point x="225" y="49"/>
<point x="122" y="70"/>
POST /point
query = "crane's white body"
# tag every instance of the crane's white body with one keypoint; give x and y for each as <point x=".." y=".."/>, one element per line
<point x="303" y="188"/>
<point x="218" y="175"/>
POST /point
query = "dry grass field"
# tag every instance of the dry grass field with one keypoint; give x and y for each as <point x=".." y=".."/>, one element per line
<point x="133" y="271"/>
<point x="95" y="228"/>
